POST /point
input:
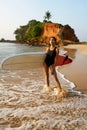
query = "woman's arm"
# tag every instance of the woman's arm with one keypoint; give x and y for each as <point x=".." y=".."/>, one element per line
<point x="56" y="57"/>
<point x="57" y="51"/>
<point x="47" y="48"/>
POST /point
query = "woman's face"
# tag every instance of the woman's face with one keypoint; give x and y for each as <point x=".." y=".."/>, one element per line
<point x="52" y="41"/>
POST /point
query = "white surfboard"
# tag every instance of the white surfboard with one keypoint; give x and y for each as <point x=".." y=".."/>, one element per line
<point x="24" y="61"/>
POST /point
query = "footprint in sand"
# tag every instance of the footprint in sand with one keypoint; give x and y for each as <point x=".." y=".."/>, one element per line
<point x="15" y="122"/>
<point x="3" y="121"/>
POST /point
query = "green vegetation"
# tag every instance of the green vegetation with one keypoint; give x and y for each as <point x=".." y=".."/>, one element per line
<point x="47" y="16"/>
<point x="30" y="32"/>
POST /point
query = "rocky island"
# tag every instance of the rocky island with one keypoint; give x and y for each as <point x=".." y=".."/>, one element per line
<point x="36" y="32"/>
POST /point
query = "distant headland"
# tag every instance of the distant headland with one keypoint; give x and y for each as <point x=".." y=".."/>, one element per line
<point x="38" y="33"/>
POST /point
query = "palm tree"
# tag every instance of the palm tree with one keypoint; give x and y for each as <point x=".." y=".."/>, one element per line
<point x="47" y="16"/>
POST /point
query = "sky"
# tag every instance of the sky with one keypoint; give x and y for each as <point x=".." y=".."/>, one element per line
<point x="16" y="13"/>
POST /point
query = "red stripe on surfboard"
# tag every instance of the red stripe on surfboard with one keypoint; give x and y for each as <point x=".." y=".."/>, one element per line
<point x="61" y="60"/>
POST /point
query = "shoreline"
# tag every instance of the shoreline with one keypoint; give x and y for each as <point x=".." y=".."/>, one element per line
<point x="77" y="70"/>
<point x="81" y="47"/>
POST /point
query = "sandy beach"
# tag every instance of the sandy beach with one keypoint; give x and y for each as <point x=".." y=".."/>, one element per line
<point x="77" y="70"/>
<point x="80" y="47"/>
<point x="25" y="104"/>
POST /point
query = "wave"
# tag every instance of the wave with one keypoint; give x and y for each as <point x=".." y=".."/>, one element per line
<point x="68" y="85"/>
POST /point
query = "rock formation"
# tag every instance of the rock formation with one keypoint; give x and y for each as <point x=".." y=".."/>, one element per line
<point x="59" y="31"/>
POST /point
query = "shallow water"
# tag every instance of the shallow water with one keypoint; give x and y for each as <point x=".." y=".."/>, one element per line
<point x="25" y="104"/>
<point x="10" y="49"/>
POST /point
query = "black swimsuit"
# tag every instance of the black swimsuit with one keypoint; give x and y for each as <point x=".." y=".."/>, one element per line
<point x="50" y="57"/>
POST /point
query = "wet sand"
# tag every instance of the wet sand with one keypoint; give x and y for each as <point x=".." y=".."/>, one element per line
<point x="77" y="70"/>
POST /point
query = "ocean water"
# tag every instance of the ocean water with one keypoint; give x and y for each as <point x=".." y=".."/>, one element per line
<point x="10" y="49"/>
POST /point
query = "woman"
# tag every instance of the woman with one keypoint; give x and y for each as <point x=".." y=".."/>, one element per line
<point x="49" y="62"/>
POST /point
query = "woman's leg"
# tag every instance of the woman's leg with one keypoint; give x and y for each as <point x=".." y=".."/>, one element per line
<point x="53" y="72"/>
<point x="47" y="73"/>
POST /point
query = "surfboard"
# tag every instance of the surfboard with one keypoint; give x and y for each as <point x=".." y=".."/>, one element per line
<point x="63" y="60"/>
<point x="30" y="60"/>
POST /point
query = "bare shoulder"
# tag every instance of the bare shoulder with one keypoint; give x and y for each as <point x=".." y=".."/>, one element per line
<point x="47" y="49"/>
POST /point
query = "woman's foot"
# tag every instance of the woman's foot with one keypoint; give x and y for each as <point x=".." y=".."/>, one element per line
<point x="60" y="92"/>
<point x="63" y="93"/>
<point x="57" y="91"/>
<point x="46" y="88"/>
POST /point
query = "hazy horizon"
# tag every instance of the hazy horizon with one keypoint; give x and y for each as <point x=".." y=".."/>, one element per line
<point x="19" y="12"/>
